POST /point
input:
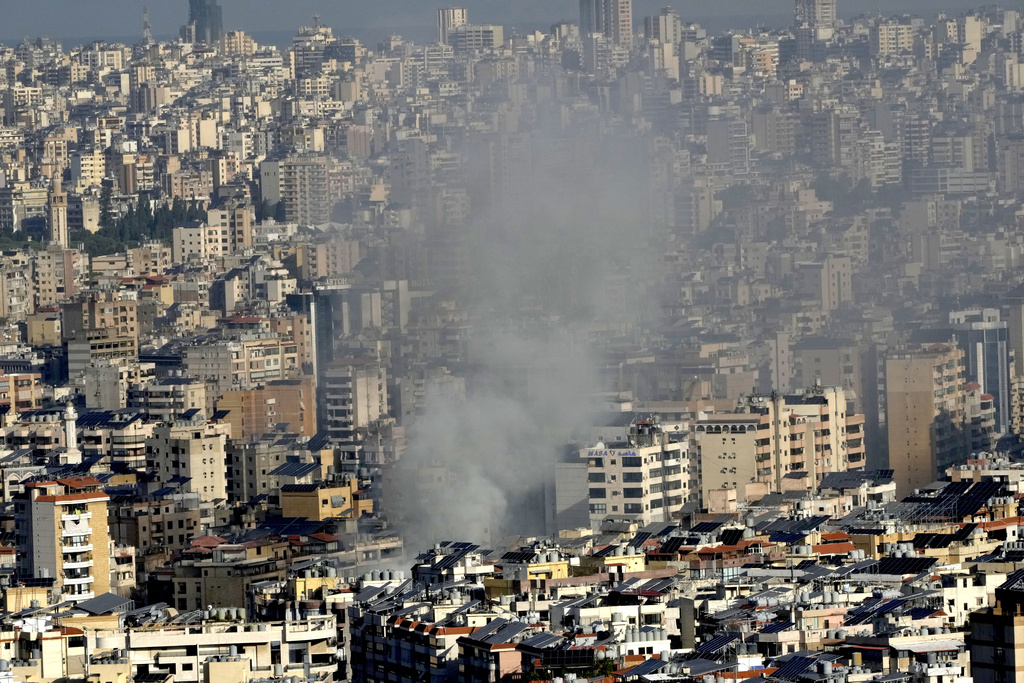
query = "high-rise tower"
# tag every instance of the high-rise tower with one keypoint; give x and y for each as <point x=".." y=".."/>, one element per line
<point x="449" y="18"/>
<point x="208" y="18"/>
<point x="816" y="14"/>
<point x="612" y="18"/>
<point x="57" y="213"/>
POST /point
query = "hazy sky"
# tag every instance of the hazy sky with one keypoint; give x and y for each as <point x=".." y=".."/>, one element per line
<point x="92" y="19"/>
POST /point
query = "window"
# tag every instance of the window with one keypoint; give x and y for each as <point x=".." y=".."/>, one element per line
<point x="598" y="493"/>
<point x="596" y="478"/>
<point x="633" y="493"/>
<point x="632" y="462"/>
<point x="599" y="509"/>
<point x="632" y="477"/>
<point x="633" y="508"/>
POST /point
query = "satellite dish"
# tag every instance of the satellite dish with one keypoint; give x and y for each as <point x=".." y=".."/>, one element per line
<point x="600" y="445"/>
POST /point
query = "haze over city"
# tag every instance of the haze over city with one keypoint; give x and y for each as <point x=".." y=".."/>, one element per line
<point x="583" y="340"/>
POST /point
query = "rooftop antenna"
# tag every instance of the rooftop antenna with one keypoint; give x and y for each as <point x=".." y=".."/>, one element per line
<point x="147" y="28"/>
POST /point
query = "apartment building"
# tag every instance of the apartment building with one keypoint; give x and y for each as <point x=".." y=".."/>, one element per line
<point x="229" y="648"/>
<point x="342" y="497"/>
<point x="355" y="393"/>
<point x="797" y="439"/>
<point x="215" y="572"/>
<point x="645" y="478"/>
<point x="924" y="395"/>
<point x="191" y="451"/>
<point x="155" y="525"/>
<point x="284" y="404"/>
<point x="62" y="533"/>
<point x="240" y="364"/>
<point x="21" y="391"/>
<point x="169" y="398"/>
<point x="301" y="184"/>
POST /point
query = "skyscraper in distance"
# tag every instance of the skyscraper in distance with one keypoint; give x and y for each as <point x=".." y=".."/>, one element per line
<point x="612" y="18"/>
<point x="817" y="14"/>
<point x="209" y="20"/>
<point x="449" y="18"/>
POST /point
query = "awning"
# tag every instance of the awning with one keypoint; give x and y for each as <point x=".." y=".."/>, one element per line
<point x="923" y="646"/>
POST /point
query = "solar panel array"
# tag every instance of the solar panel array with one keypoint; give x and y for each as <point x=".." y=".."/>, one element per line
<point x="777" y="627"/>
<point x="927" y="540"/>
<point x="706" y="527"/>
<point x="792" y="669"/>
<point x="921" y="613"/>
<point x="648" y="667"/>
<point x="672" y="545"/>
<point x="457" y="552"/>
<point x="956" y="500"/>
<point x="292" y="526"/>
<point x="899" y="566"/>
<point x="717" y="643"/>
<point x="732" y="536"/>
<point x="519" y="557"/>
<point x="641" y="538"/>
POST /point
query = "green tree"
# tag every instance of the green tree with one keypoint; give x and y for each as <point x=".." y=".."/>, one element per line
<point x="106" y="210"/>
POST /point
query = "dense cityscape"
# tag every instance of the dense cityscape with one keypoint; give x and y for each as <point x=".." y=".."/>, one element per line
<point x="626" y="350"/>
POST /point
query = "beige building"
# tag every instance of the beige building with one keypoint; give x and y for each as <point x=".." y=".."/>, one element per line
<point x="891" y="37"/>
<point x="301" y="184"/>
<point x="169" y="398"/>
<point x="232" y="223"/>
<point x="114" y="312"/>
<point x="644" y="479"/>
<point x="831" y="363"/>
<point x="200" y="653"/>
<point x="337" y="499"/>
<point x="154" y="525"/>
<point x="924" y="395"/>
<point x="260" y="410"/>
<point x="355" y="393"/>
<point x="15" y="293"/>
<point x="797" y="440"/>
<point x="231" y="365"/>
<point x="55" y="274"/>
<point x="194" y="450"/>
<point x="335" y="257"/>
<point x="828" y="281"/>
<point x="62" y="533"/>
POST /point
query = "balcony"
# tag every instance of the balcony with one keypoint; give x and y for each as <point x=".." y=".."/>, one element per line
<point x="68" y="549"/>
<point x="78" y="564"/>
<point x="76" y="516"/>
<point x="78" y="580"/>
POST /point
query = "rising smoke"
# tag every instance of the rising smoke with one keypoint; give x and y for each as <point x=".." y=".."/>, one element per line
<point x="570" y="260"/>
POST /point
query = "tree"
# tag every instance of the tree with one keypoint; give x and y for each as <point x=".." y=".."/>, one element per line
<point x="106" y="211"/>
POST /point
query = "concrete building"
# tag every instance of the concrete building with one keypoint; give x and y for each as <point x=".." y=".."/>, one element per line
<point x="169" y="398"/>
<point x="797" y="440"/>
<point x="924" y="396"/>
<point x="985" y="341"/>
<point x="339" y="498"/>
<point x="828" y="281"/>
<point x="470" y="38"/>
<point x="192" y="452"/>
<point x="57" y="214"/>
<point x="997" y="648"/>
<point x="300" y="184"/>
<point x="665" y="27"/>
<point x="62" y="533"/>
<point x="830" y="363"/>
<point x="354" y="393"/>
<point x="645" y="479"/>
<point x="449" y="18"/>
<point x="284" y="404"/>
